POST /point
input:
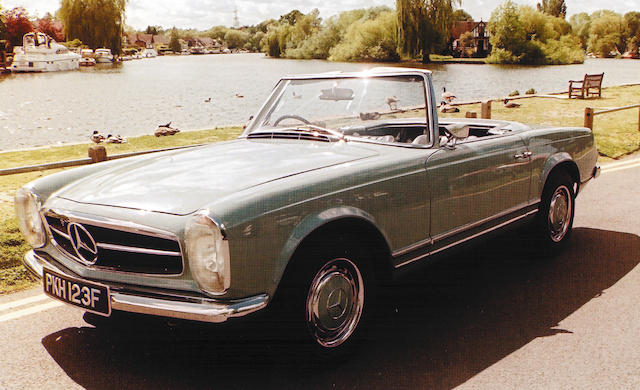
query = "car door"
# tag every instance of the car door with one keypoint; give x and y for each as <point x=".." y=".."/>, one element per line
<point x="476" y="182"/>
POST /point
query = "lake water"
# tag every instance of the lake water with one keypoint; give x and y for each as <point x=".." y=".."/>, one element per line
<point x="134" y="97"/>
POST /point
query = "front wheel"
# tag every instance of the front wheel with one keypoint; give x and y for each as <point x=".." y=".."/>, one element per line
<point x="326" y="298"/>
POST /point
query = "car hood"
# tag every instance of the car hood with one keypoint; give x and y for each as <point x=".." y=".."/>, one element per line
<point x="181" y="182"/>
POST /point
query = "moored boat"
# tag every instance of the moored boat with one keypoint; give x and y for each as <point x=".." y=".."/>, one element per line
<point x="41" y="53"/>
<point x="103" y="56"/>
<point x="149" y="53"/>
<point x="87" y="57"/>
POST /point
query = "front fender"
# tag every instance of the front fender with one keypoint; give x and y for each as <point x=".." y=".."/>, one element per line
<point x="312" y="223"/>
<point x="552" y="162"/>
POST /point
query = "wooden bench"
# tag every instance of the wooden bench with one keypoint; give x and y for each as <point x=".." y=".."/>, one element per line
<point x="590" y="86"/>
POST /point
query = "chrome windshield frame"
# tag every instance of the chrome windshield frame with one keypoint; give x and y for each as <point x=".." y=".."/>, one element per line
<point x="430" y="114"/>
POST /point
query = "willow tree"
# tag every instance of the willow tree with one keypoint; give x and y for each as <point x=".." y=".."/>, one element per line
<point x="555" y="8"/>
<point x="97" y="23"/>
<point x="424" y="25"/>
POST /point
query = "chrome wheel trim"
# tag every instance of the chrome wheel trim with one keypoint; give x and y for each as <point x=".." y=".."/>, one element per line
<point x="334" y="302"/>
<point x="560" y="211"/>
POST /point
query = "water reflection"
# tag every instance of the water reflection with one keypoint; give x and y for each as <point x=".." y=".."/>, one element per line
<point x="134" y="97"/>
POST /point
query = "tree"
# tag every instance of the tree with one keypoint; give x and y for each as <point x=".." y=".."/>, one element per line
<point x="608" y="34"/>
<point x="291" y="17"/>
<point x="174" y="41"/>
<point x="236" y="39"/>
<point x="555" y="8"/>
<point x="461" y="15"/>
<point x="153" y="30"/>
<point x="581" y="27"/>
<point x="50" y="26"/>
<point x="97" y="23"/>
<point x="17" y="24"/>
<point x="423" y="25"/>
<point x="633" y="28"/>
<point x="3" y="27"/>
<point x="466" y="42"/>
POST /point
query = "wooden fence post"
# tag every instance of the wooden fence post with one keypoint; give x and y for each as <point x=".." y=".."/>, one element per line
<point x="485" y="109"/>
<point x="588" y="118"/>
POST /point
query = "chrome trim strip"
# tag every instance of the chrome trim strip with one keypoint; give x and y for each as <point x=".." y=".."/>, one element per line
<point x="64" y="235"/>
<point x="440" y="237"/>
<point x="430" y="253"/>
<point x="134" y="249"/>
<point x="114" y="224"/>
<point x="205" y="310"/>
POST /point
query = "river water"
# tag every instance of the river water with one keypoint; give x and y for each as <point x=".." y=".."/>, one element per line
<point x="134" y="97"/>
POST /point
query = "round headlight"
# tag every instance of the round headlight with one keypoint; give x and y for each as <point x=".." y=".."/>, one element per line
<point x="208" y="253"/>
<point x="29" y="218"/>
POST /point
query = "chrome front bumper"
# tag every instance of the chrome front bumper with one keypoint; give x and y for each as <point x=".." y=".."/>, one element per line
<point x="200" y="309"/>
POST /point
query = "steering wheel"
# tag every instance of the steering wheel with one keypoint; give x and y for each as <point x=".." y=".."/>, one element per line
<point x="291" y="116"/>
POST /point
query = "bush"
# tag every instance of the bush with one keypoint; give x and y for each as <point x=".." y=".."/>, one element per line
<point x="515" y="93"/>
<point x="530" y="91"/>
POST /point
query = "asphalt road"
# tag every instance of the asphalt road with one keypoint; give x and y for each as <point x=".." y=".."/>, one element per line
<point x="493" y="317"/>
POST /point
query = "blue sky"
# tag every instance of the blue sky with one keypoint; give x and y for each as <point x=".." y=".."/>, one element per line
<point x="203" y="14"/>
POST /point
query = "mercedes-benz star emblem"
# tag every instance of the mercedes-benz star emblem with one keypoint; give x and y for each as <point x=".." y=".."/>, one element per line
<point x="337" y="303"/>
<point x="83" y="244"/>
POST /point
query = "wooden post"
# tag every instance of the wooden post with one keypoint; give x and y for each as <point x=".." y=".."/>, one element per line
<point x="485" y="109"/>
<point x="471" y="114"/>
<point x="588" y="118"/>
<point x="638" y="118"/>
<point x="97" y="153"/>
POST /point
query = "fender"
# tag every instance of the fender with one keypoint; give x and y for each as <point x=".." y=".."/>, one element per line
<point x="313" y="222"/>
<point x="552" y="162"/>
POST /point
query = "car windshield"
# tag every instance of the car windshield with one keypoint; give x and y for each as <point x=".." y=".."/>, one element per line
<point x="356" y="107"/>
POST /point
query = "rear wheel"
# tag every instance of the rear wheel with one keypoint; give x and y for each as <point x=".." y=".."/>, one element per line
<point x="557" y="209"/>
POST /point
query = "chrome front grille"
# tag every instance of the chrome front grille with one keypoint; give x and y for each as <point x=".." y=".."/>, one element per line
<point x="118" y="249"/>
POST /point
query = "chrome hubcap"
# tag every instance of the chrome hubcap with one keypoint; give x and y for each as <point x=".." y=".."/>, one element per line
<point x="334" y="302"/>
<point x="560" y="210"/>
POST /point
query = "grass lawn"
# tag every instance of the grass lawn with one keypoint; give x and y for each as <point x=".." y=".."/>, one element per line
<point x="13" y="276"/>
<point x="616" y="136"/>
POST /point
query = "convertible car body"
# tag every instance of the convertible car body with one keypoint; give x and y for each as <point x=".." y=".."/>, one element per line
<point x="340" y="180"/>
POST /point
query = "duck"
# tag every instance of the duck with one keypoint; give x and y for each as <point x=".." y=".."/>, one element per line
<point x="447" y="96"/>
<point x="509" y="104"/>
<point x="392" y="102"/>
<point x="239" y="96"/>
<point x="447" y="108"/>
<point x="368" y="116"/>
<point x="115" y="139"/>
<point x="162" y="131"/>
<point x="166" y="125"/>
<point x="96" y="137"/>
<point x="208" y="100"/>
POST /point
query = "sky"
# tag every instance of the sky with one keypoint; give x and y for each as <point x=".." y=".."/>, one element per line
<point x="203" y="14"/>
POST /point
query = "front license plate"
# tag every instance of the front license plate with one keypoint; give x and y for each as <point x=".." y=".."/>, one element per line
<point x="90" y="296"/>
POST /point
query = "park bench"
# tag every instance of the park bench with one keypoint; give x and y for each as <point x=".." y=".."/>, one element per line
<point x="590" y="86"/>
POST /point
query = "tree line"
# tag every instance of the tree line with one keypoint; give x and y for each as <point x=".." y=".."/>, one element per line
<point x="414" y="30"/>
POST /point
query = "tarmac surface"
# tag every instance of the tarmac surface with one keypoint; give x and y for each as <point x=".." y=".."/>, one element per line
<point x="493" y="317"/>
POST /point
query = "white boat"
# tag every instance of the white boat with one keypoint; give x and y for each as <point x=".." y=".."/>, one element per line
<point x="103" y="55"/>
<point x="149" y="53"/>
<point x="41" y="53"/>
<point x="87" y="57"/>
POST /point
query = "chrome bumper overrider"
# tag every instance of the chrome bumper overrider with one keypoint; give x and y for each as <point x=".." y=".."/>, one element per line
<point x="206" y="310"/>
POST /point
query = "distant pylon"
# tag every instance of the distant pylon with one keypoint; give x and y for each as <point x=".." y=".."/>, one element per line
<point x="236" y="21"/>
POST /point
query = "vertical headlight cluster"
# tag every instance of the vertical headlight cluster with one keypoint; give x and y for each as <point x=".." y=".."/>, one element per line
<point x="29" y="218"/>
<point x="208" y="253"/>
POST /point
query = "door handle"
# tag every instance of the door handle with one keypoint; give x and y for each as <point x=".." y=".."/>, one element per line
<point x="526" y="154"/>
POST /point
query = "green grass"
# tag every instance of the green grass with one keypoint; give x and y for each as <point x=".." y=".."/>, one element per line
<point x="616" y="134"/>
<point x="441" y="58"/>
<point x="13" y="276"/>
